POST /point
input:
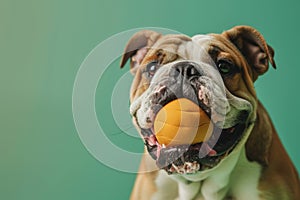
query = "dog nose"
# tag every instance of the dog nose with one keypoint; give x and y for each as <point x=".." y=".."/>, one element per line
<point x="184" y="70"/>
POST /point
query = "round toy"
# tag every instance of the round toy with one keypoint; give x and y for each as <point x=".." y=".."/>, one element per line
<point x="182" y="122"/>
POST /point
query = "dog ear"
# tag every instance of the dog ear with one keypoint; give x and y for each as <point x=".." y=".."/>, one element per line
<point x="137" y="48"/>
<point x="254" y="48"/>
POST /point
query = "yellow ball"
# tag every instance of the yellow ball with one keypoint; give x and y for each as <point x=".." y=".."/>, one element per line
<point x="182" y="122"/>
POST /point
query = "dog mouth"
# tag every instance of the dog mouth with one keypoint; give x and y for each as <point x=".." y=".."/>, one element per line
<point x="188" y="159"/>
<point x="192" y="158"/>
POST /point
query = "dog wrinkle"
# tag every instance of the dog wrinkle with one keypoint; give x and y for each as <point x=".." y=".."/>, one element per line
<point x="271" y="175"/>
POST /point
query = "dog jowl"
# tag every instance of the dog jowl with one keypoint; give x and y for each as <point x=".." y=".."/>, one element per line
<point x="194" y="105"/>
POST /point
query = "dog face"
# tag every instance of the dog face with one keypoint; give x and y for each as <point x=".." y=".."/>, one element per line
<point x="216" y="72"/>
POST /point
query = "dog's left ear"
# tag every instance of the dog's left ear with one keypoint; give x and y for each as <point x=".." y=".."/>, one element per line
<point x="137" y="48"/>
<point x="254" y="48"/>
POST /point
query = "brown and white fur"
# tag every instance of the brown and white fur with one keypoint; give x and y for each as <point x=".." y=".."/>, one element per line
<point x="258" y="167"/>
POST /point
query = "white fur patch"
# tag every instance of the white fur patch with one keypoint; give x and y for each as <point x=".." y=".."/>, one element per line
<point x="245" y="178"/>
<point x="167" y="188"/>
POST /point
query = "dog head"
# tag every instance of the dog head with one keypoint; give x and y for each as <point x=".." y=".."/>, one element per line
<point x="215" y="71"/>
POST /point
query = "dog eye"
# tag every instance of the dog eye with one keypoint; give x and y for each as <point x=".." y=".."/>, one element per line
<point x="151" y="68"/>
<point x="225" y="67"/>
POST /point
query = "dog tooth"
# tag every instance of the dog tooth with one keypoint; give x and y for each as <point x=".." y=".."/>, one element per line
<point x="182" y="170"/>
<point x="175" y="167"/>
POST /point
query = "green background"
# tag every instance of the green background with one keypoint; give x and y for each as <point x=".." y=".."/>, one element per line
<point x="42" y="46"/>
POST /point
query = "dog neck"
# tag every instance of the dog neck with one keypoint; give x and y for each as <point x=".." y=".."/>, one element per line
<point x="259" y="141"/>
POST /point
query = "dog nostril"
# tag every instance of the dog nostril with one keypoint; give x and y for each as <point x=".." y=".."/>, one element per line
<point x="191" y="71"/>
<point x="176" y="72"/>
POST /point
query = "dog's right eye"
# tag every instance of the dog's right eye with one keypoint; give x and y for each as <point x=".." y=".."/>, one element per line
<point x="151" y="68"/>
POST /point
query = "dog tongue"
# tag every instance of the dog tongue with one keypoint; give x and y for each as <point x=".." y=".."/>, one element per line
<point x="208" y="150"/>
<point x="182" y="122"/>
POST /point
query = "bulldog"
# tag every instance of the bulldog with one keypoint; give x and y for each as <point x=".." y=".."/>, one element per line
<point x="243" y="158"/>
